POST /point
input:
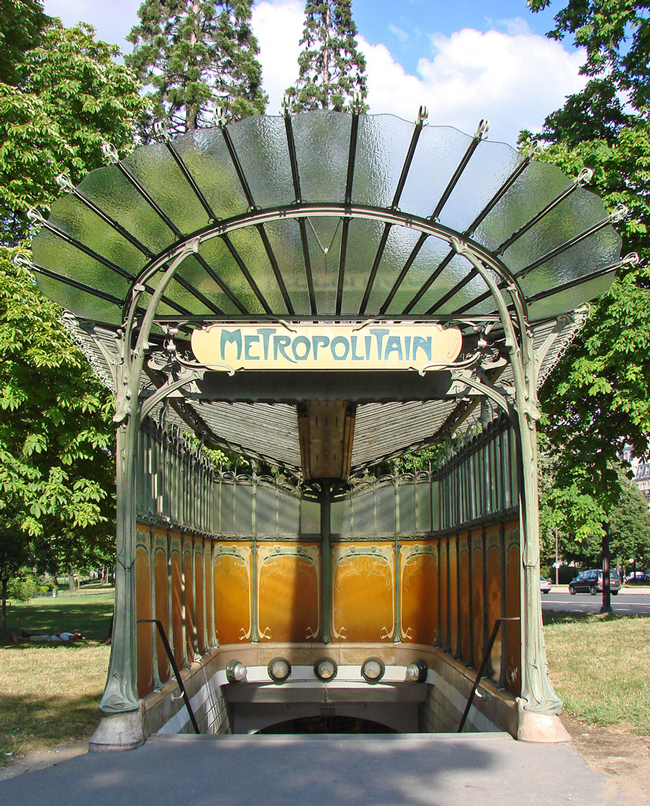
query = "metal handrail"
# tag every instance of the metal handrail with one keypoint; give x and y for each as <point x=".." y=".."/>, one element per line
<point x="168" y="650"/>
<point x="484" y="663"/>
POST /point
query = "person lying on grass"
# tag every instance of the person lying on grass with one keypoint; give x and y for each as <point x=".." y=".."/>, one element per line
<point x="47" y="638"/>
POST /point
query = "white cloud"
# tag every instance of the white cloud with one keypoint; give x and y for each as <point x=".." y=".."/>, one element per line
<point x="278" y="28"/>
<point x="514" y="79"/>
<point x="399" y="33"/>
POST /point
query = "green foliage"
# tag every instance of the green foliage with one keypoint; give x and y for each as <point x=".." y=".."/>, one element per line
<point x="21" y="24"/>
<point x="73" y="98"/>
<point x="615" y="34"/>
<point x="56" y="435"/>
<point x="597" y="401"/>
<point x="629" y="526"/>
<point x="331" y="69"/>
<point x="22" y="588"/>
<point x="197" y="55"/>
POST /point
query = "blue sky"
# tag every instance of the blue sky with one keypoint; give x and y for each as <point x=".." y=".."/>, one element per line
<point x="463" y="60"/>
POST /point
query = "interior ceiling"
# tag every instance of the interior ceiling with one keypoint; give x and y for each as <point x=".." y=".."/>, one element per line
<point x="324" y="216"/>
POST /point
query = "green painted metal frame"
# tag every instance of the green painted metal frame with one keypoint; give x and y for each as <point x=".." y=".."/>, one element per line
<point x="519" y="403"/>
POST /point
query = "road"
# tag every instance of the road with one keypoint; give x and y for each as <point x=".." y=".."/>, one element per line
<point x="627" y="603"/>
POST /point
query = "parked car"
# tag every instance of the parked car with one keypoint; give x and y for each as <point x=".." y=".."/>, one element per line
<point x="592" y="582"/>
<point x="637" y="576"/>
<point x="544" y="585"/>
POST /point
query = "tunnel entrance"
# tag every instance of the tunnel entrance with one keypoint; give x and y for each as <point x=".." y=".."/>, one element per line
<point x="327" y="723"/>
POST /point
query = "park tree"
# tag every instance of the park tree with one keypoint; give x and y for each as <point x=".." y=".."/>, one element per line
<point x="72" y="98"/>
<point x="21" y="25"/>
<point x="596" y="401"/>
<point x="56" y="435"/>
<point x="56" y="438"/>
<point x="331" y="70"/>
<point x="197" y="55"/>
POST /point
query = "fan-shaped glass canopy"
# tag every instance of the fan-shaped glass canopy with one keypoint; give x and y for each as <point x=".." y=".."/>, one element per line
<point x="327" y="216"/>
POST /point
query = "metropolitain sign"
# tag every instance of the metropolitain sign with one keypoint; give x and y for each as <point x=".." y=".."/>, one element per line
<point x="320" y="346"/>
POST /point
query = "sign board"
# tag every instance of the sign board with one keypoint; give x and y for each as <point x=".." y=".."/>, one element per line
<point x="320" y="346"/>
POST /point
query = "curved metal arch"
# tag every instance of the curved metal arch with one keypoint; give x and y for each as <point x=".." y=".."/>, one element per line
<point x="301" y="211"/>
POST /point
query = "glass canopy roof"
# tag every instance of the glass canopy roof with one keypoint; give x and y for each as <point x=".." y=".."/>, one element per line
<point x="326" y="214"/>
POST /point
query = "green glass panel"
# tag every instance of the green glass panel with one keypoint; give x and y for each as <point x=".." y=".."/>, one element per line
<point x="457" y="270"/>
<point x="382" y="146"/>
<point x="206" y="156"/>
<point x="156" y="170"/>
<point x="363" y="240"/>
<point x="363" y="514"/>
<point x="80" y="302"/>
<point x="77" y="220"/>
<point x="569" y="299"/>
<point x="322" y="148"/>
<point x="399" y="245"/>
<point x="324" y="239"/>
<point x="577" y="213"/>
<point x="112" y="192"/>
<point x="53" y="253"/>
<point x="263" y="151"/>
<point x="184" y="297"/>
<point x="424" y="507"/>
<point x="598" y="251"/>
<point x="218" y="257"/>
<point x="490" y="166"/>
<point x="440" y="150"/>
<point x="407" y="508"/>
<point x="265" y="510"/>
<point x="194" y="273"/>
<point x="385" y="504"/>
<point x="284" y="236"/>
<point x="250" y="248"/>
<point x="425" y="264"/>
<point x="309" y="517"/>
<point x="537" y="186"/>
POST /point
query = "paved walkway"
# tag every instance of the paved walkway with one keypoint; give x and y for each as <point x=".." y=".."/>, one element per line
<point x="409" y="770"/>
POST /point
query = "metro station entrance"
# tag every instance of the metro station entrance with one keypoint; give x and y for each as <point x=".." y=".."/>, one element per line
<point x="321" y="293"/>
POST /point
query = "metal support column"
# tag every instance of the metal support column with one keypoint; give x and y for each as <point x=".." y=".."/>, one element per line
<point x="326" y="562"/>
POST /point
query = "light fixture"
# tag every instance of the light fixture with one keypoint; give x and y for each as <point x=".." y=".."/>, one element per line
<point x="325" y="669"/>
<point x="279" y="670"/>
<point x="235" y="671"/>
<point x="373" y="670"/>
<point x="417" y="671"/>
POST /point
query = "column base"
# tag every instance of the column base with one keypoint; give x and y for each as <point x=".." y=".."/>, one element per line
<point x="118" y="732"/>
<point x="533" y="727"/>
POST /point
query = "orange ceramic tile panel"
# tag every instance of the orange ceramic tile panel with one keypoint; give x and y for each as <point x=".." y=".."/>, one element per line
<point x="177" y="609"/>
<point x="419" y="592"/>
<point x="465" y="614"/>
<point x="494" y="591"/>
<point x="478" y="590"/>
<point x="363" y="604"/>
<point x="188" y="598"/>
<point x="288" y="592"/>
<point x="232" y="589"/>
<point x="453" y="594"/>
<point x="199" y="596"/>
<point x="444" y="589"/>
<point x="143" y="611"/>
<point x="513" y="608"/>
<point x="209" y="597"/>
<point x="161" y="594"/>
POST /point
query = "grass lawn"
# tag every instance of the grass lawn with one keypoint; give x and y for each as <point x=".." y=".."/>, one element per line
<point x="600" y="667"/>
<point x="49" y="693"/>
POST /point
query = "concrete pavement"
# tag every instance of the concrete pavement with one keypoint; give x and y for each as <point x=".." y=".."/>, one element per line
<point x="348" y="770"/>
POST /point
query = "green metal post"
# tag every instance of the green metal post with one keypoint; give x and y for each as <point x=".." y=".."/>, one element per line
<point x="326" y="562"/>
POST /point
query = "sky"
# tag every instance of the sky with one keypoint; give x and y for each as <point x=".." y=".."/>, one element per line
<point x="465" y="60"/>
